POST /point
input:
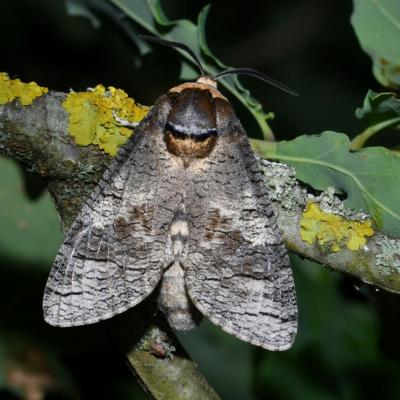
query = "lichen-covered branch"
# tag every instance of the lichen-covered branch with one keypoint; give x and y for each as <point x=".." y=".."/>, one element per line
<point x="317" y="227"/>
<point x="337" y="237"/>
<point x="37" y="135"/>
<point x="155" y="355"/>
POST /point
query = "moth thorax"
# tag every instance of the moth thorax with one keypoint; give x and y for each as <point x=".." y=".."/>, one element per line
<point x="190" y="146"/>
<point x="191" y="129"/>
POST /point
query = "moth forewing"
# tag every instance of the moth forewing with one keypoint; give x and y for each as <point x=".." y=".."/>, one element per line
<point x="238" y="272"/>
<point x="183" y="206"/>
<point x="114" y="253"/>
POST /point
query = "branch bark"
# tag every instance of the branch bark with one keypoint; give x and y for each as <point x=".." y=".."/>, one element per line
<point x="37" y="135"/>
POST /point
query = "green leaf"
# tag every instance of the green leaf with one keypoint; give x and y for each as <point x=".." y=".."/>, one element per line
<point x="379" y="111"/>
<point x="379" y="107"/>
<point x="369" y="177"/>
<point x="377" y="26"/>
<point x="149" y="15"/>
<point x="29" y="231"/>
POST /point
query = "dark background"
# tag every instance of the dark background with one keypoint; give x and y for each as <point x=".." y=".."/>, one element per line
<point x="347" y="346"/>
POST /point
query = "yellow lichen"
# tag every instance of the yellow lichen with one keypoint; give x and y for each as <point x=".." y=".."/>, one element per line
<point x="10" y="89"/>
<point x="92" y="117"/>
<point x="334" y="230"/>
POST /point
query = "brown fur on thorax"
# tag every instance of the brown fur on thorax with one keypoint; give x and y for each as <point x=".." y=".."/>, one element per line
<point x="188" y="147"/>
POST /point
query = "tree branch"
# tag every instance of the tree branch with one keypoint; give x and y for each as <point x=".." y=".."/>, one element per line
<point x="37" y="135"/>
<point x="376" y="263"/>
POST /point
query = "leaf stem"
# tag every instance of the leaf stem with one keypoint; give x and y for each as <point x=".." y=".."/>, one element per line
<point x="359" y="141"/>
<point x="264" y="148"/>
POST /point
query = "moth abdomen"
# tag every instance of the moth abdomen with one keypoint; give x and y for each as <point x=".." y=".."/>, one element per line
<point x="173" y="299"/>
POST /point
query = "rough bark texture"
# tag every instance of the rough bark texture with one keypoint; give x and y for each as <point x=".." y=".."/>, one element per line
<point x="37" y="135"/>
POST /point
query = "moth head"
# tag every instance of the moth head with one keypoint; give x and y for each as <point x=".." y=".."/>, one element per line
<point x="191" y="127"/>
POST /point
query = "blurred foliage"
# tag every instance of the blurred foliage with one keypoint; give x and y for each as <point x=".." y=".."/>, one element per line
<point x="347" y="346"/>
<point x="29" y="370"/>
<point x="377" y="25"/>
<point x="29" y="230"/>
<point x="380" y="111"/>
<point x="379" y="107"/>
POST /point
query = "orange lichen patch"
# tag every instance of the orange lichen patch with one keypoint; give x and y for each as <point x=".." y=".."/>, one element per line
<point x="11" y="89"/>
<point x="92" y="117"/>
<point x="334" y="230"/>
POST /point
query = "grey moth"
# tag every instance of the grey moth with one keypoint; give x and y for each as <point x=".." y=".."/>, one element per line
<point x="183" y="210"/>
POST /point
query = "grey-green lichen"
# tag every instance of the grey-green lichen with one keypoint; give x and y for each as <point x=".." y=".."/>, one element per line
<point x="283" y="185"/>
<point x="388" y="257"/>
<point x="329" y="202"/>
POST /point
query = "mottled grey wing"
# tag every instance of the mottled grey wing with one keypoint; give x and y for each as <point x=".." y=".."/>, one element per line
<point x="115" y="251"/>
<point x="237" y="269"/>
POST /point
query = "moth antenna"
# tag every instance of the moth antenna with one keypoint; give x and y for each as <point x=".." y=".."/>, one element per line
<point x="175" y="45"/>
<point x="256" y="74"/>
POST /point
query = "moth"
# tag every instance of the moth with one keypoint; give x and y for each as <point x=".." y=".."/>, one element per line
<point x="182" y="209"/>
